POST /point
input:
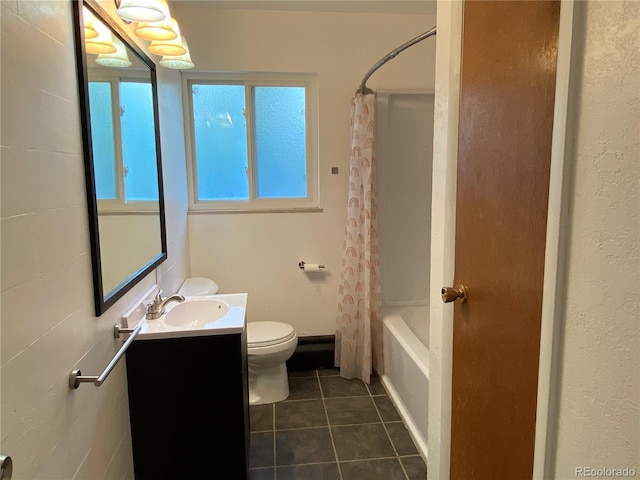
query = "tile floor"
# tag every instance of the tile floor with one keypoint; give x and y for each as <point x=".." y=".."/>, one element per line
<point x="331" y="428"/>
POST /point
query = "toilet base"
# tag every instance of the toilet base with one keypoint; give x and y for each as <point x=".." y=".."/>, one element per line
<point x="268" y="384"/>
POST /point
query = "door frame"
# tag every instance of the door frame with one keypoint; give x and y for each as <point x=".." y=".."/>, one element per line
<point x="445" y="156"/>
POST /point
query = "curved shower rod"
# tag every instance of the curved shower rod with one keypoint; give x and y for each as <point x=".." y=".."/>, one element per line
<point x="390" y="56"/>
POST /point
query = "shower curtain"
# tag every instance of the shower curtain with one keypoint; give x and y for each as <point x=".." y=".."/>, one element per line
<point x="359" y="322"/>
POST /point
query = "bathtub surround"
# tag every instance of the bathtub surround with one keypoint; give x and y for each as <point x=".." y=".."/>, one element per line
<point x="404" y="154"/>
<point x="404" y="125"/>
<point x="359" y="320"/>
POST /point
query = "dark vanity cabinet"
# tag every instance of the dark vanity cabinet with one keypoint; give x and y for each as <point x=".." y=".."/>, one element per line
<point x="189" y="407"/>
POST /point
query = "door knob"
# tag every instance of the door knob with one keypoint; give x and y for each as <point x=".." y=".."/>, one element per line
<point x="450" y="294"/>
<point x="6" y="467"/>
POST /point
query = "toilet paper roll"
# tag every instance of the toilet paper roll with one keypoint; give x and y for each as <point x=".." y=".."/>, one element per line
<point x="311" y="267"/>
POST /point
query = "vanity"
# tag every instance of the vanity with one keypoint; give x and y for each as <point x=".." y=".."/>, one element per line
<point x="188" y="393"/>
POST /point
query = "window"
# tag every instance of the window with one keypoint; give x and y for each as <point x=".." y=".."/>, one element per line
<point x="252" y="142"/>
<point x="124" y="149"/>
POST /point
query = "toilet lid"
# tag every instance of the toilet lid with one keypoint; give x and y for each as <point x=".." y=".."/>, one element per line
<point x="263" y="334"/>
<point x="196" y="286"/>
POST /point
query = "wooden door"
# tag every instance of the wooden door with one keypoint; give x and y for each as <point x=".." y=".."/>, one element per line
<point x="504" y="150"/>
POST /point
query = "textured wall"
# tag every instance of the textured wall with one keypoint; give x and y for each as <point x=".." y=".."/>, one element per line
<point x="47" y="315"/>
<point x="599" y="378"/>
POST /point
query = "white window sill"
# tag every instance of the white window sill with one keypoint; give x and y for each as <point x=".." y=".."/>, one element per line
<point x="123" y="211"/>
<point x="256" y="210"/>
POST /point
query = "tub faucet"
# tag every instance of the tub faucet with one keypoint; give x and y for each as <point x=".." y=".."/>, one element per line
<point x="155" y="309"/>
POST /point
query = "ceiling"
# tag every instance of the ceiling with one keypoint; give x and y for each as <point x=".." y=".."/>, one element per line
<point x="422" y="7"/>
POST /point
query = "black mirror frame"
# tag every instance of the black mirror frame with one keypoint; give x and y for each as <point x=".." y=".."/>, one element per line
<point x="103" y="303"/>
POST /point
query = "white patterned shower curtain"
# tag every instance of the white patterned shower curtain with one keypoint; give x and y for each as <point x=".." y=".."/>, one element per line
<point x="359" y="322"/>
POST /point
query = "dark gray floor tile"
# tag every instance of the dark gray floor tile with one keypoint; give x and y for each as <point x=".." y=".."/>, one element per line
<point x="351" y="410"/>
<point x="386" y="408"/>
<point x="261" y="417"/>
<point x="301" y="373"/>
<point x="384" y="469"/>
<point x="300" y="414"/>
<point x="415" y="467"/>
<point x="401" y="439"/>
<point x="375" y="385"/>
<point x="357" y="442"/>
<point x="329" y="372"/>
<point x="341" y="387"/>
<point x="308" y="445"/>
<point x="261" y="450"/>
<point x="319" y="471"/>
<point x="303" y="388"/>
<point x="262" y="473"/>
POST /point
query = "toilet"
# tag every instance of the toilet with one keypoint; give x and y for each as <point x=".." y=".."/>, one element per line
<point x="269" y="346"/>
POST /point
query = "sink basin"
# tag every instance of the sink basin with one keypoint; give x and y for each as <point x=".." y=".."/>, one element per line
<point x="198" y="316"/>
<point x="196" y="312"/>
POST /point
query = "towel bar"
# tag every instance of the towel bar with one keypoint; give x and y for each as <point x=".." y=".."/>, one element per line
<point x="76" y="377"/>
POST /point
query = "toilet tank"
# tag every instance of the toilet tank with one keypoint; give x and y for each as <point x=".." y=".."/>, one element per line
<point x="195" y="286"/>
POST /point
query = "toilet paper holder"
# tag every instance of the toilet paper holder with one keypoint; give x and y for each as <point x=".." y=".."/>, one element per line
<point x="301" y="266"/>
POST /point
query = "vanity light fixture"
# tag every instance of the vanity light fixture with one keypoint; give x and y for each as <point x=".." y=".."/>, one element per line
<point x="118" y="59"/>
<point x="156" y="30"/>
<point x="89" y="25"/>
<point x="172" y="47"/>
<point x="102" y="42"/>
<point x="154" y="23"/>
<point x="180" y="62"/>
<point x="142" y="10"/>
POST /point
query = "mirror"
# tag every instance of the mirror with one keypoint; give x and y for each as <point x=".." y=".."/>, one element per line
<point x="121" y="141"/>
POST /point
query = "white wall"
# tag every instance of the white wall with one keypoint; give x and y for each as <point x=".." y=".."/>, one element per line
<point x="597" y="417"/>
<point x="121" y="255"/>
<point x="259" y="253"/>
<point x="47" y="319"/>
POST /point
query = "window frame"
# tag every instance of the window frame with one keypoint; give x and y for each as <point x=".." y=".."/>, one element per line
<point x="250" y="80"/>
<point x="120" y="205"/>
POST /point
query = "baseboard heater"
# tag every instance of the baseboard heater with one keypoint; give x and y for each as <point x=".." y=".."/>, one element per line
<point x="312" y="353"/>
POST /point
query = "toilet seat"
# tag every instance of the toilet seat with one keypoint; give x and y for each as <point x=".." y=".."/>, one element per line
<point x="266" y="334"/>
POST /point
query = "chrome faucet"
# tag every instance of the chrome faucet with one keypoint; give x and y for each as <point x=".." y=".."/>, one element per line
<point x="155" y="309"/>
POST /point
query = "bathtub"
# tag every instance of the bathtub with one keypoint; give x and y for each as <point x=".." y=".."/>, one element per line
<point x="406" y="367"/>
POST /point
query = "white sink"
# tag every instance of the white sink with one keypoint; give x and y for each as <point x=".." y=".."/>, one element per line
<point x="196" y="312"/>
<point x="199" y="316"/>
